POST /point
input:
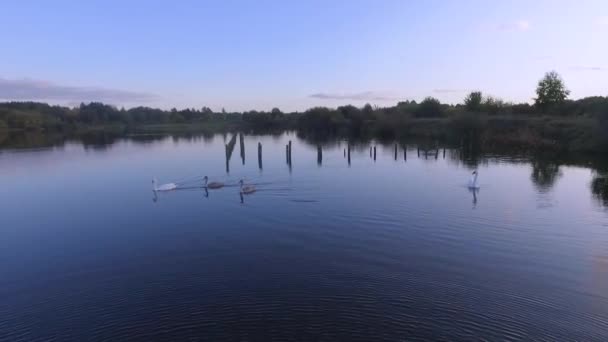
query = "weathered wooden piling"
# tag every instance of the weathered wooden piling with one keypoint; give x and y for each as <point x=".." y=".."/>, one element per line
<point x="319" y="155"/>
<point x="260" y="155"/>
<point x="348" y="154"/>
<point x="418" y="151"/>
<point x="404" y="153"/>
<point x="395" y="152"/>
<point x="229" y="150"/>
<point x="374" y="153"/>
<point x="242" y="145"/>
<point x="444" y="153"/>
<point x="227" y="159"/>
<point x="287" y="154"/>
<point x="370" y="151"/>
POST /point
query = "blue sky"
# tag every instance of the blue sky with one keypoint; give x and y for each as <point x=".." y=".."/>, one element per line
<point x="296" y="54"/>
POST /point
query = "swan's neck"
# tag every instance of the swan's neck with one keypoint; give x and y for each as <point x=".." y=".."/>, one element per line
<point x="474" y="180"/>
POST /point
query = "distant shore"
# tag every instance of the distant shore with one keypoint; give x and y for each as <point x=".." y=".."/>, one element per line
<point x="541" y="133"/>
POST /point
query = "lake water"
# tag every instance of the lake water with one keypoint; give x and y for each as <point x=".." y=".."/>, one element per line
<point x="323" y="251"/>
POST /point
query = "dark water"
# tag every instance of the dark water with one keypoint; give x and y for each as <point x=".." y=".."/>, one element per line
<point x="389" y="249"/>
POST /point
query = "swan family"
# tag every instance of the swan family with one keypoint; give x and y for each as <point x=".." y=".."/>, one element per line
<point x="244" y="188"/>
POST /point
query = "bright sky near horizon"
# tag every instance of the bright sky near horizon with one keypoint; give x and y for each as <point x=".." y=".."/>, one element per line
<point x="293" y="55"/>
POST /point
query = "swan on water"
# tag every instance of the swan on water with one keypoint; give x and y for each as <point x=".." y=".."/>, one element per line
<point x="246" y="189"/>
<point x="473" y="181"/>
<point x="163" y="187"/>
<point x="212" y="185"/>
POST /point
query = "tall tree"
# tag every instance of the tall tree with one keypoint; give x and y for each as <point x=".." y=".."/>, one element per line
<point x="551" y="91"/>
<point x="429" y="107"/>
<point x="473" y="101"/>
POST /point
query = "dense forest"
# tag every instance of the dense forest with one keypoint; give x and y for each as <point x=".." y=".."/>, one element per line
<point x="552" y="122"/>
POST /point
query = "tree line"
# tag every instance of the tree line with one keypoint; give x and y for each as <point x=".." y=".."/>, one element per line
<point x="472" y="117"/>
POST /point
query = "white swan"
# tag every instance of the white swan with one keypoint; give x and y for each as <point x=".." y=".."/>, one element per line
<point x="473" y="181"/>
<point x="212" y="185"/>
<point x="246" y="189"/>
<point x="163" y="187"/>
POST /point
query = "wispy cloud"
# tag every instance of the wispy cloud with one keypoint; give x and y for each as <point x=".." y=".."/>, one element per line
<point x="28" y="89"/>
<point x="586" y="68"/>
<point x="516" y="26"/>
<point x="449" y="90"/>
<point x="362" y="96"/>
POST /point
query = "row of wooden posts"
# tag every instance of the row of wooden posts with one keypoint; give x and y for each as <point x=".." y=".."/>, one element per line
<point x="288" y="152"/>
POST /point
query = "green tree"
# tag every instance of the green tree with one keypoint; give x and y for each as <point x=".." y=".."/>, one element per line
<point x="473" y="101"/>
<point x="429" y="107"/>
<point x="3" y="125"/>
<point x="551" y="91"/>
<point x="493" y="105"/>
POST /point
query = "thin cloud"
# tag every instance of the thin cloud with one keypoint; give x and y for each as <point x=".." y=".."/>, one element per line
<point x="363" y="96"/>
<point x="448" y="91"/>
<point x="586" y="68"/>
<point x="516" y="26"/>
<point x="32" y="90"/>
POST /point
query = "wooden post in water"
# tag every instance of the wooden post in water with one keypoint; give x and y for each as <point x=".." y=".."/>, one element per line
<point x="348" y="154"/>
<point x="437" y="153"/>
<point x="260" y="155"/>
<point x="374" y="153"/>
<point x="418" y="151"/>
<point x="290" y="152"/>
<point x="227" y="159"/>
<point x="444" y="153"/>
<point x="370" y="151"/>
<point x="287" y="154"/>
<point x="404" y="153"/>
<point x="319" y="155"/>
<point x="242" y="145"/>
<point x="395" y="152"/>
<point x="345" y="152"/>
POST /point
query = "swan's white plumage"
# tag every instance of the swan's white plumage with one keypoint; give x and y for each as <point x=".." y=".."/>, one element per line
<point x="473" y="181"/>
<point x="163" y="187"/>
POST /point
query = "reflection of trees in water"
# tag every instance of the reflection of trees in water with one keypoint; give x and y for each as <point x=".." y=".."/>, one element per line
<point x="599" y="182"/>
<point x="544" y="174"/>
<point x="599" y="186"/>
<point x="468" y="154"/>
<point x="3" y="136"/>
<point x="311" y="138"/>
<point x="92" y="140"/>
<point x="32" y="139"/>
<point x="98" y="140"/>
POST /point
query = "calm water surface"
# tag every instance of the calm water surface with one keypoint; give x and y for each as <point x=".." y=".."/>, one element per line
<point x="378" y="250"/>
